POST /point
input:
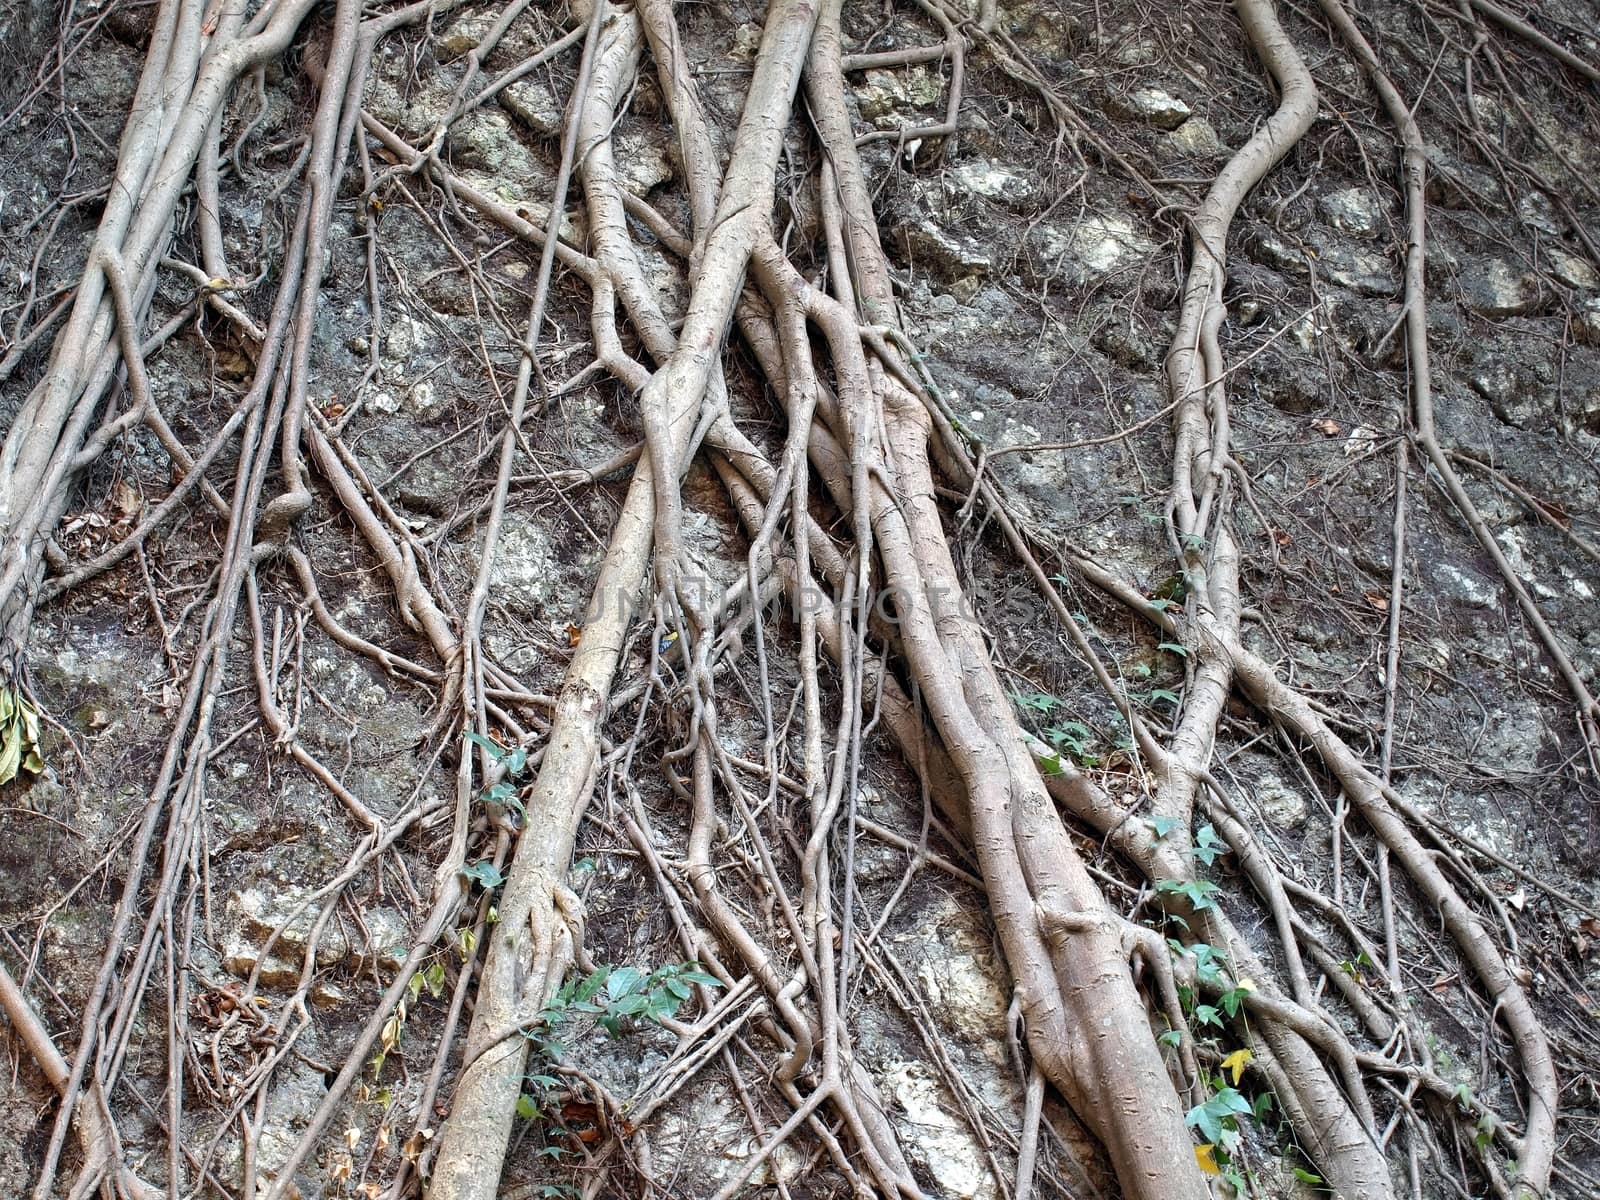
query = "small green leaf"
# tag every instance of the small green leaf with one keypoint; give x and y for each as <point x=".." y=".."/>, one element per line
<point x="592" y="983"/>
<point x="1197" y="891"/>
<point x="1207" y="845"/>
<point x="485" y="874"/>
<point x="493" y="749"/>
<point x="1162" y="826"/>
<point x="1485" y="1134"/>
<point x="526" y="1108"/>
<point x="630" y="1005"/>
<point x="623" y="982"/>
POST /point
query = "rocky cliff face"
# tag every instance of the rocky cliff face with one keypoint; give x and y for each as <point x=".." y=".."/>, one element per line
<point x="1038" y="261"/>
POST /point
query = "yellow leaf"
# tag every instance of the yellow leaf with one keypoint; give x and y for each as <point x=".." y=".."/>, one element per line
<point x="10" y="751"/>
<point x="19" y="736"/>
<point x="1236" y="1062"/>
<point x="1202" y="1155"/>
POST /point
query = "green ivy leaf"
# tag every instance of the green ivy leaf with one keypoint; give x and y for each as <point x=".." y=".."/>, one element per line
<point x="1207" y="845"/>
<point x="1197" y="891"/>
<point x="485" y="874"/>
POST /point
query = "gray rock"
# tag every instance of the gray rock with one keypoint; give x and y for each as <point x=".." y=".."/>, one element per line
<point x="463" y="35"/>
<point x="992" y="182"/>
<point x="531" y="102"/>
<point x="1511" y="389"/>
<point x="1274" y="251"/>
<point x="1195" y="138"/>
<point x="1048" y="29"/>
<point x="1494" y="288"/>
<point x="1536" y="211"/>
<point x="947" y="256"/>
<point x="524" y="566"/>
<point x="935" y="1136"/>
<point x="1152" y="106"/>
<point x="1586" y="323"/>
<point x="255" y="912"/>
<point x="885" y="95"/>
<point x="1571" y="270"/>
<point x="1093" y="248"/>
<point x="1513" y="739"/>
<point x="1365" y="272"/>
<point x="297" y="1091"/>
<point x="1352" y="210"/>
<point x="1464" y="585"/>
<point x="949" y="951"/>
<point x="1280" y="801"/>
<point x="643" y="162"/>
<point x="1127" y="345"/>
<point x="487" y="141"/>
<point x="1454" y="184"/>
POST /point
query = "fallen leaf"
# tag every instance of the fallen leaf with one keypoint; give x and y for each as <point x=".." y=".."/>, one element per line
<point x="1203" y="1155"/>
<point x="343" y="1167"/>
<point x="1328" y="428"/>
<point x="1518" y="899"/>
<point x="574" y="634"/>
<point x="413" y="1145"/>
<point x="1378" y="600"/>
<point x="123" y="499"/>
